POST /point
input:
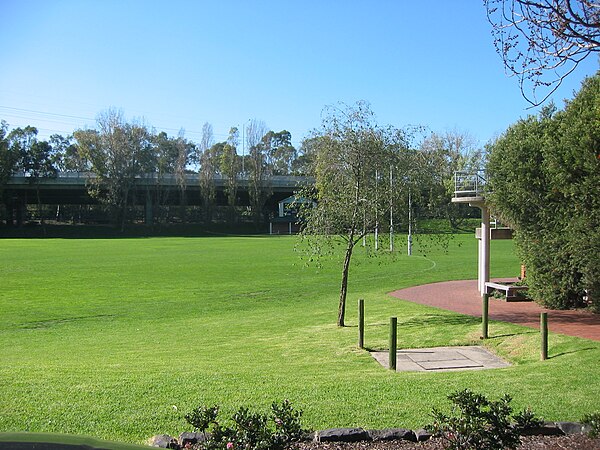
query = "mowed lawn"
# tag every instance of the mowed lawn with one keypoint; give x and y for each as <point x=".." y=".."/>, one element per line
<point x="120" y="338"/>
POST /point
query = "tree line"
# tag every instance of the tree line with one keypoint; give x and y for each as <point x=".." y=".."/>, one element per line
<point x="118" y="152"/>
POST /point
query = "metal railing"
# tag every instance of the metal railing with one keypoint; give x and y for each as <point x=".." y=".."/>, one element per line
<point x="469" y="183"/>
<point x="148" y="179"/>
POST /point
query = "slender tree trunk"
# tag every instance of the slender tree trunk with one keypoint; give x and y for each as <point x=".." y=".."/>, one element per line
<point x="344" y="286"/>
<point x="348" y="257"/>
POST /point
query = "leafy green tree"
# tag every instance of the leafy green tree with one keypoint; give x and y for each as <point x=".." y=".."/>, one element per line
<point x="118" y="152"/>
<point x="280" y="151"/>
<point x="231" y="168"/>
<point x="351" y="154"/>
<point x="37" y="161"/>
<point x="162" y="166"/>
<point x="65" y="154"/>
<point x="304" y="162"/>
<point x="34" y="158"/>
<point x="9" y="157"/>
<point x="545" y="176"/>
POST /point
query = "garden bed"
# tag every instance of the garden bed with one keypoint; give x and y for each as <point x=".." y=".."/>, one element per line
<point x="571" y="442"/>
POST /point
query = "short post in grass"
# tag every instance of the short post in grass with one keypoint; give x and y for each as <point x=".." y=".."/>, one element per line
<point x="544" y="334"/>
<point x="485" y="315"/>
<point x="361" y="323"/>
<point x="393" y="343"/>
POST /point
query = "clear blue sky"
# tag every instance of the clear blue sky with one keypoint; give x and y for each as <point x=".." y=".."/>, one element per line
<point x="178" y="64"/>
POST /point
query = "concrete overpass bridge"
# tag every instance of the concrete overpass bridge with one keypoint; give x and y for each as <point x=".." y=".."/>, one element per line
<point x="149" y="191"/>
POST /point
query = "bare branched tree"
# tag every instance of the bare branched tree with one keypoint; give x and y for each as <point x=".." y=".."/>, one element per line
<point x="543" y="41"/>
<point x="259" y="169"/>
<point x="207" y="171"/>
<point x="180" y="165"/>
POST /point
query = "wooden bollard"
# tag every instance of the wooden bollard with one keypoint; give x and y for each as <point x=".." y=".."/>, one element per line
<point x="393" y="343"/>
<point x="361" y="323"/>
<point x="544" y="335"/>
<point x="485" y="315"/>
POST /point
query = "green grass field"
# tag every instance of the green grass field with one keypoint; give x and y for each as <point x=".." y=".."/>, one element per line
<point x="119" y="338"/>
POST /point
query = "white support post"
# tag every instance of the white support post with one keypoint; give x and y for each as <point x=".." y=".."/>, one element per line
<point x="409" y="223"/>
<point x="391" y="212"/>
<point x="484" y="261"/>
<point x="479" y="265"/>
<point x="376" y="210"/>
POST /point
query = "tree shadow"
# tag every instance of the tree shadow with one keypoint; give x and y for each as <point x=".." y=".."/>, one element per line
<point x="571" y="352"/>
<point x="432" y="319"/>
<point x="498" y="336"/>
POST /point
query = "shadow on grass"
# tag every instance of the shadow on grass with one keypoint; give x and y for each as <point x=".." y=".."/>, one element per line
<point x="51" y="231"/>
<point x="54" y="322"/>
<point x="433" y="320"/>
<point x="571" y="352"/>
<point x="498" y="336"/>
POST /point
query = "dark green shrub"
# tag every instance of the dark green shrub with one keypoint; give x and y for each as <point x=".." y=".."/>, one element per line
<point x="543" y="176"/>
<point x="526" y="420"/>
<point x="251" y="430"/>
<point x="593" y="420"/>
<point x="479" y="423"/>
<point x="202" y="417"/>
<point x="288" y="427"/>
<point x="248" y="430"/>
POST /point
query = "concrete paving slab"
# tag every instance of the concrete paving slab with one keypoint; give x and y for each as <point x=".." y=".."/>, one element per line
<point x="441" y="355"/>
<point x="438" y="359"/>
<point x="450" y="364"/>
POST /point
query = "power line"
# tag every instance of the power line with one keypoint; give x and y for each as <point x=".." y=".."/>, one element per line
<point x="31" y="111"/>
<point x="45" y="113"/>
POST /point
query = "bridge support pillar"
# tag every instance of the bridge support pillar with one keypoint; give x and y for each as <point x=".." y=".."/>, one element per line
<point x="10" y="211"/>
<point x="149" y="211"/>
<point x="21" y="208"/>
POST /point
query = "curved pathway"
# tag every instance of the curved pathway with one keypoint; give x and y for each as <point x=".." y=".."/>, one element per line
<point x="463" y="297"/>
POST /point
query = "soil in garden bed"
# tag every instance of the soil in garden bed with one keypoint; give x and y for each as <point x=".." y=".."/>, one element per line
<point x="570" y="442"/>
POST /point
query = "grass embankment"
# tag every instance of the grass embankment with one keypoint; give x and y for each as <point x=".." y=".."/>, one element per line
<point x="106" y="337"/>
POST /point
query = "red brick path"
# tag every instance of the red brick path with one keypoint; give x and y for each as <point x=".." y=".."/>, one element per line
<point x="463" y="297"/>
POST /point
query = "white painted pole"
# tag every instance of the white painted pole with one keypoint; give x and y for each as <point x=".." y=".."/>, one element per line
<point x="391" y="212"/>
<point x="364" y="239"/>
<point x="480" y="286"/>
<point x="485" y="248"/>
<point x="376" y="211"/>
<point x="409" y="223"/>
